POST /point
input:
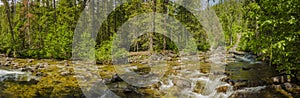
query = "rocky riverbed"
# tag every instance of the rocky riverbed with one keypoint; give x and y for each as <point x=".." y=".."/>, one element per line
<point x="243" y="78"/>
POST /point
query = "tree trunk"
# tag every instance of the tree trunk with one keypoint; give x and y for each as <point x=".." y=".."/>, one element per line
<point x="54" y="6"/>
<point x="153" y="24"/>
<point x="8" y="16"/>
<point x="165" y="22"/>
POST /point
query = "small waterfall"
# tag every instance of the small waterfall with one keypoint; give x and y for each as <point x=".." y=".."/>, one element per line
<point x="211" y="81"/>
<point x="14" y="75"/>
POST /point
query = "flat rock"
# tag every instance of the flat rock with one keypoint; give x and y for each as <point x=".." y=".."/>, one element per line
<point x="181" y="83"/>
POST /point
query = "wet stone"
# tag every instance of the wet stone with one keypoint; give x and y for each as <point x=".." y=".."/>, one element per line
<point x="66" y="73"/>
<point x="27" y="69"/>
<point x="287" y="85"/>
<point x="239" y="85"/>
<point x="276" y="86"/>
<point x="39" y="74"/>
<point x="7" y="63"/>
<point x="116" y="78"/>
<point x="8" y="59"/>
<point x="181" y="83"/>
<point x="280" y="79"/>
<point x="30" y="60"/>
<point x="199" y="87"/>
<point x="222" y="89"/>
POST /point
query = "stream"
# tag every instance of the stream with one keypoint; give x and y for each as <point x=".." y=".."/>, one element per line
<point x="243" y="78"/>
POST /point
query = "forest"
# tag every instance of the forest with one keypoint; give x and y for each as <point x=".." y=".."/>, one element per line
<point x="44" y="29"/>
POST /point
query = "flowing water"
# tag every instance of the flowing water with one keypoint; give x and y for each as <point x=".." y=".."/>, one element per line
<point x="183" y="78"/>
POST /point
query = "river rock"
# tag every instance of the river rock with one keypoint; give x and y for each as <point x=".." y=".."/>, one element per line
<point x="40" y="66"/>
<point x="14" y="63"/>
<point x="8" y="59"/>
<point x="239" y="85"/>
<point x="16" y="66"/>
<point x="287" y="85"/>
<point x="39" y="74"/>
<point x="30" y="60"/>
<point x="199" y="87"/>
<point x="156" y="57"/>
<point x="2" y="55"/>
<point x="27" y="69"/>
<point x="67" y="64"/>
<point x="276" y="86"/>
<point x="7" y="63"/>
<point x="65" y="73"/>
<point x="228" y="80"/>
<point x="168" y="58"/>
<point x="181" y="83"/>
<point x="116" y="78"/>
<point x="280" y="79"/>
<point x="174" y="55"/>
<point x="222" y="89"/>
<point x="127" y="90"/>
<point x="156" y="85"/>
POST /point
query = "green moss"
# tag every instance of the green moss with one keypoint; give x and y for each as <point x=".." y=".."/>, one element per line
<point x="53" y="84"/>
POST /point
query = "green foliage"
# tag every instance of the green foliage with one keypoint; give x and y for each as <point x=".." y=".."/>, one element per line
<point x="43" y="30"/>
<point x="269" y="28"/>
<point x="230" y="13"/>
<point x="103" y="52"/>
<point x="273" y="31"/>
